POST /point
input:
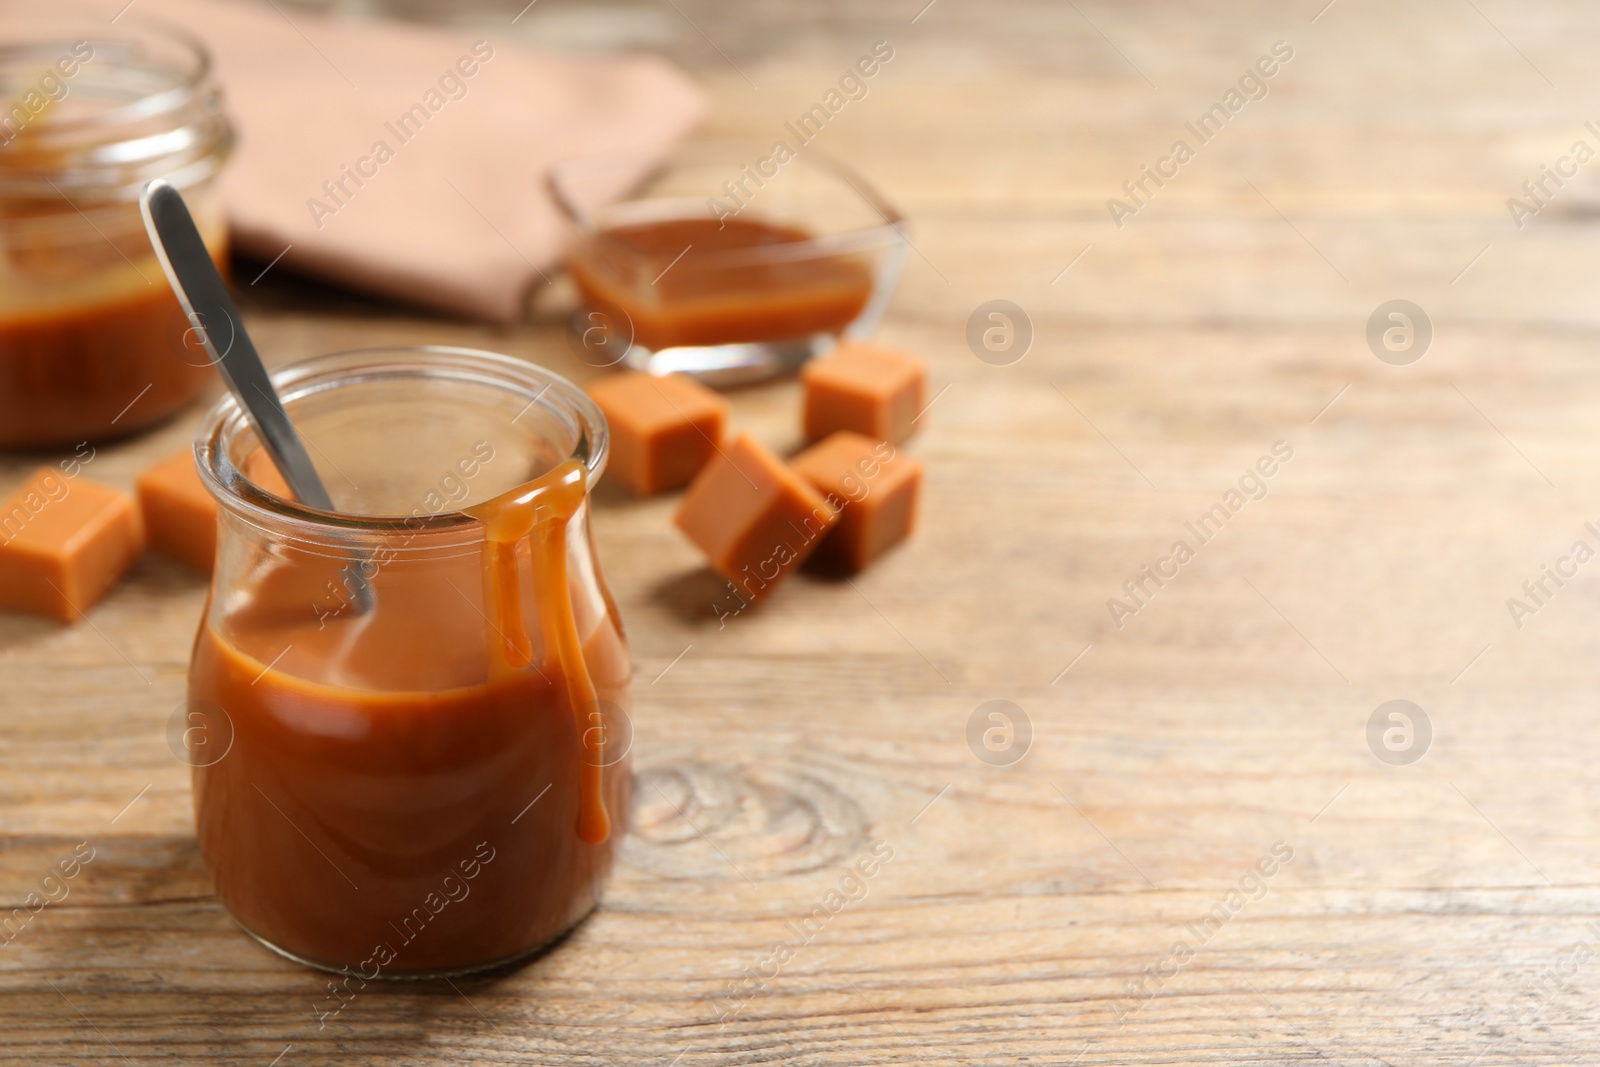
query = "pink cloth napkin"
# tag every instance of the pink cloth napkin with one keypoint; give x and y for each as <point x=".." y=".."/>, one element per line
<point x="449" y="134"/>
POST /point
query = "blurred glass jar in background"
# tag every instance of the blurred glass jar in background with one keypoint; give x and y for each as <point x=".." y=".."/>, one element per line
<point x="92" y="342"/>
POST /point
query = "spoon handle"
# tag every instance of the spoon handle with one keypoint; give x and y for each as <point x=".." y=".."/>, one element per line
<point x="200" y="289"/>
<point x="211" y="311"/>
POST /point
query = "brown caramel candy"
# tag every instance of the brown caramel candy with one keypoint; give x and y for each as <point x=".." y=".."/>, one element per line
<point x="663" y="429"/>
<point x="180" y="516"/>
<point x="875" y="489"/>
<point x="868" y="389"/>
<point x="754" y="518"/>
<point x="63" y="543"/>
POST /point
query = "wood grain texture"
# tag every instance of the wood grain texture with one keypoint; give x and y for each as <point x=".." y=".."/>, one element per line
<point x="1429" y="912"/>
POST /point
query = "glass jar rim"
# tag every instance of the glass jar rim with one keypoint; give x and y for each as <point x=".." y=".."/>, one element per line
<point x="227" y="420"/>
<point x="143" y="107"/>
<point x="176" y="127"/>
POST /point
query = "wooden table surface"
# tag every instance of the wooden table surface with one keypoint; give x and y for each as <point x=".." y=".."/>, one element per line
<point x="1055" y="910"/>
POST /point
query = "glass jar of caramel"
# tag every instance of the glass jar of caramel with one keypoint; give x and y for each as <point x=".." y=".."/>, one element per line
<point x="407" y="720"/>
<point x="92" y="342"/>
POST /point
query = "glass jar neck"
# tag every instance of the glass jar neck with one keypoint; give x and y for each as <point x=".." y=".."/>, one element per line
<point x="91" y="113"/>
<point x="405" y="439"/>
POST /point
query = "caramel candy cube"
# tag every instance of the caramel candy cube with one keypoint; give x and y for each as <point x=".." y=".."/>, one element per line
<point x="875" y="489"/>
<point x="867" y="389"/>
<point x="63" y="543"/>
<point x="663" y="429"/>
<point x="180" y="517"/>
<point x="754" y="518"/>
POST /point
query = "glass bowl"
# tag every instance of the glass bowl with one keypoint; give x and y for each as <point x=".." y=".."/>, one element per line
<point x="731" y="261"/>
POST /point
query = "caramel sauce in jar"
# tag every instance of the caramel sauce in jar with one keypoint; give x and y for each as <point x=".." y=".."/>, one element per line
<point x="103" y="353"/>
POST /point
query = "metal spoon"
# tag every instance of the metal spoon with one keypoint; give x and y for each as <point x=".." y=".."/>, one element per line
<point x="204" y="296"/>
